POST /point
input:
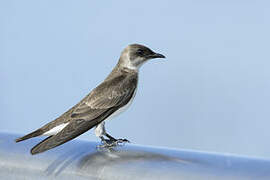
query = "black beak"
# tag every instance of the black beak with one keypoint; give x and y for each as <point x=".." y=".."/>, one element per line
<point x="156" y="55"/>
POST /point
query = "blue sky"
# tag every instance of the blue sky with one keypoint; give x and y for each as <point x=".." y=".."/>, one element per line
<point x="211" y="93"/>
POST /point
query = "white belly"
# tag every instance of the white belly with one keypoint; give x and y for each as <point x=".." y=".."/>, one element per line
<point x="122" y="109"/>
<point x="100" y="128"/>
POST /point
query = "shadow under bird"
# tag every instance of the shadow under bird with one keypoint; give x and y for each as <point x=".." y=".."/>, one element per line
<point x="111" y="97"/>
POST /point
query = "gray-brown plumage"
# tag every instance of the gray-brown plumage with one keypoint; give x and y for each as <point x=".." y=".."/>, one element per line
<point x="110" y="97"/>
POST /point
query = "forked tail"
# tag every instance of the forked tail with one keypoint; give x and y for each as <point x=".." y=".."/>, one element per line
<point x="30" y="135"/>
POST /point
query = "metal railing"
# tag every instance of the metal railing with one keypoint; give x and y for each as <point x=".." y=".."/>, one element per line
<point x="82" y="160"/>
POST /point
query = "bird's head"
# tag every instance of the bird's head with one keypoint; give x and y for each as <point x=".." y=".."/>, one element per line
<point x="134" y="55"/>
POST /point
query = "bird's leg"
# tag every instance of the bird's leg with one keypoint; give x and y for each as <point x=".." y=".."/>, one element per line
<point x="100" y="132"/>
<point x="111" y="142"/>
<point x="110" y="137"/>
<point x="106" y="143"/>
<point x="116" y="140"/>
<point x="103" y="140"/>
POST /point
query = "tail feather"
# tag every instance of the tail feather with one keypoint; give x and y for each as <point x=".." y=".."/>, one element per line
<point x="72" y="130"/>
<point x="30" y="135"/>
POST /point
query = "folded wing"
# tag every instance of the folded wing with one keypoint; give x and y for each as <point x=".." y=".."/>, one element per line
<point x="93" y="109"/>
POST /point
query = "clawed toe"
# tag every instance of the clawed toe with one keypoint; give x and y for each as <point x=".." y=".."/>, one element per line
<point x="123" y="141"/>
<point x="110" y="143"/>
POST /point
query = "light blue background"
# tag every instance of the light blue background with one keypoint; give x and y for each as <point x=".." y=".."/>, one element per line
<point x="211" y="93"/>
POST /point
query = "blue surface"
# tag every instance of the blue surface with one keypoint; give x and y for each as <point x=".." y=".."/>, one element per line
<point x="82" y="160"/>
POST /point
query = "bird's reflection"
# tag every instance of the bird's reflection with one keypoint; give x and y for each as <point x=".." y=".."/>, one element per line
<point x="90" y="158"/>
<point x="119" y="157"/>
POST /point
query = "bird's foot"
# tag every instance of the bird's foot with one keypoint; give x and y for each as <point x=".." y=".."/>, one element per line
<point x="110" y="143"/>
<point x="122" y="141"/>
<point x="116" y="141"/>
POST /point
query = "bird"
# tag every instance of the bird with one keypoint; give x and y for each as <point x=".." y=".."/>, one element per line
<point x="111" y="97"/>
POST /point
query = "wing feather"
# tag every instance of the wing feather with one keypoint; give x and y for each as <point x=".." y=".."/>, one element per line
<point x="72" y="130"/>
<point x="109" y="94"/>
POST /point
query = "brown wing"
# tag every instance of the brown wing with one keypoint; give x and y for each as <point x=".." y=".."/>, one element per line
<point x="99" y="104"/>
<point x="112" y="93"/>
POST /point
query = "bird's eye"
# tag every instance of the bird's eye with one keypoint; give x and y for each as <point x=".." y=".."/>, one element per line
<point x="140" y="52"/>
